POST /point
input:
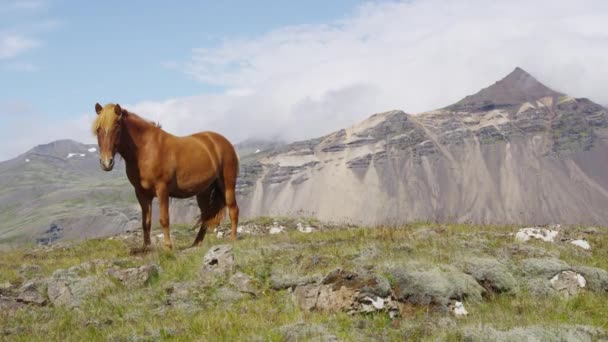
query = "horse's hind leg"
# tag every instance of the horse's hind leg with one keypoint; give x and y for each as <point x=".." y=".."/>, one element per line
<point x="230" y="196"/>
<point x="233" y="211"/>
<point x="203" y="229"/>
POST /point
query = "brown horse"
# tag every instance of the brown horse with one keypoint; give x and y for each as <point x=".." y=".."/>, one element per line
<point x="162" y="165"/>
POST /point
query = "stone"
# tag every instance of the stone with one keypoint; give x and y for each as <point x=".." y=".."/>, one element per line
<point x="591" y="230"/>
<point x="525" y="234"/>
<point x="282" y="281"/>
<point x="33" y="292"/>
<point x="137" y="276"/>
<point x="543" y="267"/>
<point x="305" y="230"/>
<point x="490" y="274"/>
<point x="8" y="306"/>
<point x="437" y="286"/>
<point x="568" y="283"/>
<point x="346" y="291"/>
<point x="276" y="230"/>
<point x="66" y="288"/>
<point x="597" y="278"/>
<point x="218" y="260"/>
<point x="582" y="243"/>
<point x="243" y="283"/>
<point x="458" y="309"/>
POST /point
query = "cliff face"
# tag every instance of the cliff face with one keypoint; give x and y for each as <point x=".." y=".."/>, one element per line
<point x="516" y="152"/>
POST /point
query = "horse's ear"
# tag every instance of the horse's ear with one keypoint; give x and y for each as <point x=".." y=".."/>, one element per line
<point x="117" y="110"/>
<point x="98" y="108"/>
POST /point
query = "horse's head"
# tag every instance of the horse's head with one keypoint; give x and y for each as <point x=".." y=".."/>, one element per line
<point x="107" y="128"/>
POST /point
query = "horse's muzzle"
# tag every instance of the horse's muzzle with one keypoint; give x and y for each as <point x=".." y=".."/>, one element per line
<point x="107" y="164"/>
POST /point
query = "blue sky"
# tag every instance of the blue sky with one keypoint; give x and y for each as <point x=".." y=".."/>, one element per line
<point x="278" y="69"/>
<point x="117" y="51"/>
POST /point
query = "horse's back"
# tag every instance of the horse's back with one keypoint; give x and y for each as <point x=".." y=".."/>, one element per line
<point x="221" y="145"/>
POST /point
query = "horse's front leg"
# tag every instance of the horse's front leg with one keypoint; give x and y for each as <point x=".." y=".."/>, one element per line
<point x="146" y="216"/>
<point x="163" y="202"/>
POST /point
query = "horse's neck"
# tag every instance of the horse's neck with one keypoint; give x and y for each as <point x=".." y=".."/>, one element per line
<point x="135" y="135"/>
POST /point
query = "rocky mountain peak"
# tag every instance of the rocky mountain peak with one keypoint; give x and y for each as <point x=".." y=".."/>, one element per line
<point x="62" y="148"/>
<point x="516" y="88"/>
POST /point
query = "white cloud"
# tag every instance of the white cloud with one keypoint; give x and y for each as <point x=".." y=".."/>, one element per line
<point x="14" y="44"/>
<point x="20" y="5"/>
<point x="304" y="81"/>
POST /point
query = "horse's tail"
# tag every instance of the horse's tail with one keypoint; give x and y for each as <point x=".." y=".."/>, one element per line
<point x="213" y="206"/>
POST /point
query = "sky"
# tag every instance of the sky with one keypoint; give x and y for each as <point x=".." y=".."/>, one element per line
<point x="277" y="69"/>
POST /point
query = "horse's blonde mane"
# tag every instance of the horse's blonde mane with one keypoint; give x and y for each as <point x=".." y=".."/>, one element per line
<point x="106" y="119"/>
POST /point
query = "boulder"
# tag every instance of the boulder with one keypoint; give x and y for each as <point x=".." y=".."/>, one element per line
<point x="66" y="288"/>
<point x="33" y="292"/>
<point x="568" y="283"/>
<point x="490" y="274"/>
<point x="435" y="286"/>
<point x="218" y="260"/>
<point x="282" y="281"/>
<point x="243" y="283"/>
<point x="597" y="278"/>
<point x="136" y="276"/>
<point x="346" y="291"/>
<point x="544" y="234"/>
<point x="543" y="267"/>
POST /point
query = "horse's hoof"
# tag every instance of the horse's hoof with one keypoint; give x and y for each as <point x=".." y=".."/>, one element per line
<point x="140" y="250"/>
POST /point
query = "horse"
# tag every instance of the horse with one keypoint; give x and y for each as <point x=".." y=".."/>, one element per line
<point x="163" y="165"/>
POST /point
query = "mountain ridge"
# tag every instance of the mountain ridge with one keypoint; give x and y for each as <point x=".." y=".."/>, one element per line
<point x="538" y="161"/>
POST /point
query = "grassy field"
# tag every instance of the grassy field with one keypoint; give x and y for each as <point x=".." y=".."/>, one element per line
<point x="122" y="313"/>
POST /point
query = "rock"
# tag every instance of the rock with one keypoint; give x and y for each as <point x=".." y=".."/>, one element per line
<point x="591" y="230"/>
<point x="305" y="230"/>
<point x="544" y="234"/>
<point x="538" y="272"/>
<point x="346" y="291"/>
<point x="218" y="260"/>
<point x="543" y="267"/>
<point x="137" y="276"/>
<point x="421" y="285"/>
<point x="306" y="332"/>
<point x="490" y="274"/>
<point x="457" y="308"/>
<point x="597" y="278"/>
<point x="243" y="283"/>
<point x="276" y="230"/>
<point x="66" y="288"/>
<point x="582" y="243"/>
<point x="282" y="281"/>
<point x="8" y="306"/>
<point x="92" y="266"/>
<point x="568" y="283"/>
<point x="33" y="292"/>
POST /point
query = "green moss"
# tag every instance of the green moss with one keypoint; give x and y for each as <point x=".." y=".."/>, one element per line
<point x="122" y="313"/>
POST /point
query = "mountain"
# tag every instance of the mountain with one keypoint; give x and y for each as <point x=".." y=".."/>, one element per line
<point x="516" y="152"/>
<point x="57" y="191"/>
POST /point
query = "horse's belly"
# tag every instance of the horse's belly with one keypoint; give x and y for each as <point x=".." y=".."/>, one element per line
<point x="189" y="188"/>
